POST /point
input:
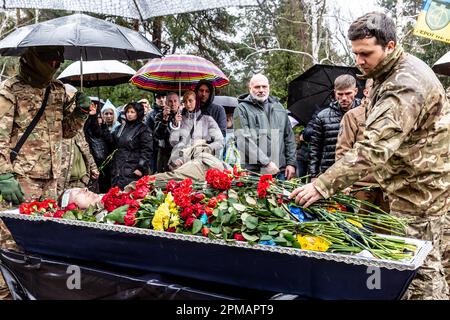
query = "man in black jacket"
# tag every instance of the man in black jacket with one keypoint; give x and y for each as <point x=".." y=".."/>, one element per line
<point x="158" y="105"/>
<point x="205" y="92"/>
<point x="326" y="125"/>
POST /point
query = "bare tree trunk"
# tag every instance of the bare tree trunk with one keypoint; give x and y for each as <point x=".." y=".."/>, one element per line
<point x="157" y="31"/>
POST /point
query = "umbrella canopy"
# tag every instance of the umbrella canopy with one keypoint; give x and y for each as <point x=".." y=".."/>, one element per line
<point x="83" y="38"/>
<point x="226" y="101"/>
<point x="313" y="89"/>
<point x="97" y="73"/>
<point x="137" y="9"/>
<point x="442" y="66"/>
<point x="177" y="72"/>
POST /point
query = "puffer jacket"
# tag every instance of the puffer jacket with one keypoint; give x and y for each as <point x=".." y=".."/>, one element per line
<point x="196" y="126"/>
<point x="325" y="125"/>
<point x="134" y="143"/>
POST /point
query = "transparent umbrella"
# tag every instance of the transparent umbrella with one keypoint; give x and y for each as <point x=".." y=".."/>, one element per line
<point x="137" y="9"/>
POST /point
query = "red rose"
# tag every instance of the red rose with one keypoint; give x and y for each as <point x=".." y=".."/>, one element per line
<point x="71" y="206"/>
<point x="132" y="210"/>
<point x="212" y="203"/>
<point x="239" y="184"/>
<point x="129" y="219"/>
<point x="209" y="211"/>
<point x="238" y="237"/>
<point x="171" y="229"/>
<point x="48" y="214"/>
<point x="205" y="231"/>
<point x="189" y="222"/>
<point x="198" y="197"/>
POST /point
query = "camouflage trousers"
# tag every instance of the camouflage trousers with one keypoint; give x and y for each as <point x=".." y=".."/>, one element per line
<point x="38" y="188"/>
<point x="446" y="247"/>
<point x="429" y="282"/>
<point x="6" y="242"/>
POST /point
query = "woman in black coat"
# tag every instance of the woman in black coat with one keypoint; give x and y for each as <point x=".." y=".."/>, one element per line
<point x="134" y="143"/>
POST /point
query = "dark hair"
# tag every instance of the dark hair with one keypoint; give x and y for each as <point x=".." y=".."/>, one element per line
<point x="373" y="24"/>
<point x="138" y="107"/>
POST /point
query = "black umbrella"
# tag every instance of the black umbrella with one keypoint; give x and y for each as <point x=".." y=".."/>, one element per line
<point x="313" y="89"/>
<point x="83" y="37"/>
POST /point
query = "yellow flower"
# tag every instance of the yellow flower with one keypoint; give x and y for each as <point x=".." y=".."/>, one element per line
<point x="174" y="221"/>
<point x="313" y="243"/>
<point x="355" y="223"/>
<point x="161" y="218"/>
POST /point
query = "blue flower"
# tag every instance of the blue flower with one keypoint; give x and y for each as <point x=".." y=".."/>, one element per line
<point x="268" y="243"/>
<point x="298" y="212"/>
<point x="204" y="218"/>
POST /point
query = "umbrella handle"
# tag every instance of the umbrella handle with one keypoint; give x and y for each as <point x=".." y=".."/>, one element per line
<point x="171" y="126"/>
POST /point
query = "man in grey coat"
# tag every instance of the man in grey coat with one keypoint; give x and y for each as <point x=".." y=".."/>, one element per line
<point x="263" y="132"/>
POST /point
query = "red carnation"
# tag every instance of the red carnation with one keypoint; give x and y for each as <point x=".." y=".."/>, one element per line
<point x="238" y="237"/>
<point x="171" y="229"/>
<point x="25" y="208"/>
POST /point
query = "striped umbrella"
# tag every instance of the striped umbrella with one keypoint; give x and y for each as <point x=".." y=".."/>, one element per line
<point x="177" y="72"/>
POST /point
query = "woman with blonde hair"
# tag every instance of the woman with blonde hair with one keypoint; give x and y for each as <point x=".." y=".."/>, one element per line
<point x="195" y="128"/>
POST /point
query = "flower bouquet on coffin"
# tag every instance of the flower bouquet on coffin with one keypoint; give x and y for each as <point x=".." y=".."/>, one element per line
<point x="239" y="205"/>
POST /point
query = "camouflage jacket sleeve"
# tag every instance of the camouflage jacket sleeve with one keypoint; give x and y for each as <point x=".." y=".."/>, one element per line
<point x="72" y="121"/>
<point x="347" y="135"/>
<point x="7" y="107"/>
<point x="387" y="126"/>
<point x="85" y="151"/>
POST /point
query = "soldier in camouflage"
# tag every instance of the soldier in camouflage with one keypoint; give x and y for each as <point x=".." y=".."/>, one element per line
<point x="38" y="164"/>
<point x="406" y="143"/>
<point x="446" y="241"/>
<point x="37" y="167"/>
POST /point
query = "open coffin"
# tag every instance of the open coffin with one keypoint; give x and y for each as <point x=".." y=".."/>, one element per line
<point x="317" y="275"/>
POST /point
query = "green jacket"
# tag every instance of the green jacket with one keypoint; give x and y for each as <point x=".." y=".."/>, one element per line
<point x="406" y="140"/>
<point x="262" y="137"/>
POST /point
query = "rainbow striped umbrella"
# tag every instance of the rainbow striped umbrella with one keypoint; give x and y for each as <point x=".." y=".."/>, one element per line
<point x="177" y="72"/>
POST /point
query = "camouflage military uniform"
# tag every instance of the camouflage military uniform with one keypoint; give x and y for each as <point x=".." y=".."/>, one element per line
<point x="407" y="143"/>
<point x="68" y="154"/>
<point x="446" y="240"/>
<point x="38" y="163"/>
<point x="352" y="130"/>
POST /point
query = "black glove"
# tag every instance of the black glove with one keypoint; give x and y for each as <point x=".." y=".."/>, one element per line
<point x="10" y="189"/>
